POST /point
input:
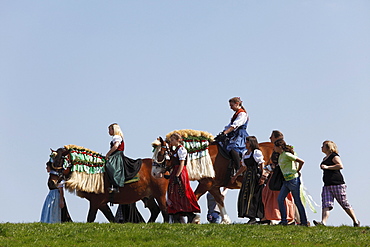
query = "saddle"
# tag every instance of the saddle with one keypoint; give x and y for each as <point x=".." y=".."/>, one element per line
<point x="231" y="165"/>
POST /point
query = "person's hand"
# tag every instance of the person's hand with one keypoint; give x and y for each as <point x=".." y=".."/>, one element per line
<point x="262" y="179"/>
<point x="233" y="179"/>
<point x="177" y="180"/>
<point x="61" y="204"/>
<point x="323" y="167"/>
<point x="107" y="157"/>
<point x="220" y="137"/>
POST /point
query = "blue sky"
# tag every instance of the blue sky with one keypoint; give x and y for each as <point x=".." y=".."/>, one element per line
<point x="68" y="69"/>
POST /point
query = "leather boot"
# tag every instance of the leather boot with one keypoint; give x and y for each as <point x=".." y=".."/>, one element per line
<point x="236" y="158"/>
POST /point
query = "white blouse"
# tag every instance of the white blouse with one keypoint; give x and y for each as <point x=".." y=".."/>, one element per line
<point x="182" y="153"/>
<point x="241" y="119"/>
<point x="257" y="155"/>
<point x="117" y="138"/>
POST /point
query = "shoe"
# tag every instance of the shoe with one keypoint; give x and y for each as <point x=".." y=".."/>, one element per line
<point x="283" y="223"/>
<point x="191" y="217"/>
<point x="318" y="223"/>
<point x="356" y="224"/>
<point x="252" y="221"/>
<point x="306" y="225"/>
<point x="264" y="222"/>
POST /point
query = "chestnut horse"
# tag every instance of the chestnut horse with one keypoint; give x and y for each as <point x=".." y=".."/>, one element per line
<point x="148" y="189"/>
<point x="222" y="174"/>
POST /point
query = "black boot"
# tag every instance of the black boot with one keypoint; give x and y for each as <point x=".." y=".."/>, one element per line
<point x="176" y="218"/>
<point x="236" y="158"/>
<point x="191" y="217"/>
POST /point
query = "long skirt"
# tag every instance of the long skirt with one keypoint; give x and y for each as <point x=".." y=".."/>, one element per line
<point x="51" y="211"/>
<point x="180" y="196"/>
<point x="128" y="213"/>
<point x="236" y="140"/>
<point x="250" y="195"/>
<point x="271" y="206"/>
<point x="115" y="169"/>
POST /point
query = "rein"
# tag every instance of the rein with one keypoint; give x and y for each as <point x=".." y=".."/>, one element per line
<point x="166" y="155"/>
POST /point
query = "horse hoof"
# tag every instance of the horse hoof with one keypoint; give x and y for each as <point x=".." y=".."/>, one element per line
<point x="196" y="219"/>
<point x="226" y="220"/>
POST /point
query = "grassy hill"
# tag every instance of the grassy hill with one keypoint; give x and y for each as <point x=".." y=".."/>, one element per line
<point x="106" y="234"/>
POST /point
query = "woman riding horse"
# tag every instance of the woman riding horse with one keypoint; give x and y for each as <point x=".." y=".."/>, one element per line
<point x="235" y="132"/>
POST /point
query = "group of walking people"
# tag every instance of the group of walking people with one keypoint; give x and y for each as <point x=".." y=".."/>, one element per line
<point x="261" y="196"/>
<point x="283" y="203"/>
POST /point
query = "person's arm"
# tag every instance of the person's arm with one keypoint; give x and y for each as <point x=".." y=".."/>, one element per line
<point x="228" y="130"/>
<point x="113" y="148"/>
<point x="337" y="164"/>
<point x="300" y="165"/>
<point x="61" y="196"/>
<point x="240" y="171"/>
<point x="240" y="120"/>
<point x="258" y="157"/>
<point x="181" y="166"/>
<point x="264" y="174"/>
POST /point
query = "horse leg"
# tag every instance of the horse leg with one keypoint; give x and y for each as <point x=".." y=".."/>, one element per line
<point x="163" y="207"/>
<point x="153" y="208"/>
<point x="105" y="209"/>
<point x="204" y="185"/>
<point x="92" y="212"/>
<point x="219" y="198"/>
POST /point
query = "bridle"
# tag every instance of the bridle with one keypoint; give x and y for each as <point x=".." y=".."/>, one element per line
<point x="165" y="152"/>
<point x="58" y="170"/>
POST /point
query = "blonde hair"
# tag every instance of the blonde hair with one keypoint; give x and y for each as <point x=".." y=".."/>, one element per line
<point x="116" y="129"/>
<point x="331" y="146"/>
<point x="177" y="137"/>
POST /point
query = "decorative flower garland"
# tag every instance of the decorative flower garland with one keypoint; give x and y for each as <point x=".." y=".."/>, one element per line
<point x="192" y="135"/>
<point x="85" y="160"/>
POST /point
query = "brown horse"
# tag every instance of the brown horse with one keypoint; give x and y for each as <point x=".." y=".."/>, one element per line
<point x="148" y="189"/>
<point x="222" y="174"/>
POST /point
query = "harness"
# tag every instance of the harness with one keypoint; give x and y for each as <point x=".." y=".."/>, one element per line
<point x="166" y="156"/>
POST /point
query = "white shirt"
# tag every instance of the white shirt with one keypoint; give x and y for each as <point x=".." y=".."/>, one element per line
<point x="257" y="155"/>
<point x="241" y="119"/>
<point x="117" y="138"/>
<point x="182" y="153"/>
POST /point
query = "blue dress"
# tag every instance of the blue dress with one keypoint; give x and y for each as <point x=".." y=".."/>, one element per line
<point x="51" y="212"/>
<point x="237" y="139"/>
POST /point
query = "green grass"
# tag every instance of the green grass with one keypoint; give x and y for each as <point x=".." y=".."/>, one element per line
<point x="105" y="234"/>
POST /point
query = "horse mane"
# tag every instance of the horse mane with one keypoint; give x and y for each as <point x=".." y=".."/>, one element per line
<point x="88" y="169"/>
<point x="199" y="163"/>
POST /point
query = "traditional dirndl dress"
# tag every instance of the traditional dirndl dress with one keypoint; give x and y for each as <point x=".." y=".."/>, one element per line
<point x="115" y="165"/>
<point x="51" y="211"/>
<point x="236" y="139"/>
<point x="250" y="195"/>
<point x="180" y="196"/>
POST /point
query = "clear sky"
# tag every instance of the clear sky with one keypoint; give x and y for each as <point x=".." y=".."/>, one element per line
<point x="68" y="69"/>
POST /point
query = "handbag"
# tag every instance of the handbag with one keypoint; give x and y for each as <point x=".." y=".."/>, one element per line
<point x="276" y="180"/>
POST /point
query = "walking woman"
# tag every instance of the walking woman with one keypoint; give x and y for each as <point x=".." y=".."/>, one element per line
<point x="292" y="183"/>
<point x="181" y="200"/>
<point x="55" y="207"/>
<point x="334" y="185"/>
<point x="250" y="195"/>
<point x="270" y="195"/>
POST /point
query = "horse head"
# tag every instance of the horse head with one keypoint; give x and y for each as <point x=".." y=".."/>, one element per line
<point x="160" y="156"/>
<point x="57" y="159"/>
